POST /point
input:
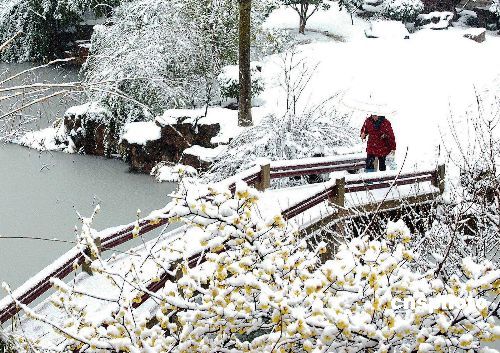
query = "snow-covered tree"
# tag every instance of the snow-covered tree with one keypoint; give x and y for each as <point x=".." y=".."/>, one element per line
<point x="245" y="80"/>
<point x="305" y="9"/>
<point x="263" y="289"/>
<point x="351" y="6"/>
<point x="402" y="10"/>
<point x="163" y="54"/>
<point x="468" y="223"/>
<point x="43" y="24"/>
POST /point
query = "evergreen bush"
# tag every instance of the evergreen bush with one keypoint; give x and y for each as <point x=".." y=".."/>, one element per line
<point x="403" y="10"/>
<point x="229" y="83"/>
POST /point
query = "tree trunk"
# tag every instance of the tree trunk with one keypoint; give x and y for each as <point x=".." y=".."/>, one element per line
<point x="245" y="99"/>
<point x="302" y="25"/>
<point x="303" y="17"/>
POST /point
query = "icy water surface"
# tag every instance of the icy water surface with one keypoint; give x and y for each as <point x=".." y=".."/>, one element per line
<point x="40" y="193"/>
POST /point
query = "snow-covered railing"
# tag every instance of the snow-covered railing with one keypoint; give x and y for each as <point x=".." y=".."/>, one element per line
<point x="67" y="263"/>
<point x="259" y="177"/>
<point x="335" y="191"/>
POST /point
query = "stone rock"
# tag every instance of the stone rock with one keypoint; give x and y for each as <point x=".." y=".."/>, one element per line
<point x="195" y="161"/>
<point x="200" y="157"/>
<point x="86" y="126"/>
<point x="476" y="34"/>
<point x="90" y="132"/>
<point x="435" y="20"/>
<point x="175" y="138"/>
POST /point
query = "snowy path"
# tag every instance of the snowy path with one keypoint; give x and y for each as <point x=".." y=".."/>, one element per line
<point x="429" y="80"/>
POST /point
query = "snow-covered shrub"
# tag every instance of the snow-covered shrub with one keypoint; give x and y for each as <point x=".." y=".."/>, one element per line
<point x="495" y="9"/>
<point x="468" y="224"/>
<point x="262" y="289"/>
<point x="402" y="10"/>
<point x="43" y="24"/>
<point x="440" y="5"/>
<point x="7" y="345"/>
<point x="319" y="131"/>
<point x="165" y="171"/>
<point x="229" y="81"/>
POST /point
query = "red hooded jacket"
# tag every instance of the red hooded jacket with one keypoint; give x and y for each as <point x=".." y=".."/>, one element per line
<point x="381" y="139"/>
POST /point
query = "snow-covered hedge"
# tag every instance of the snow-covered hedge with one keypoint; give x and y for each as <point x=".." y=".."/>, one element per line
<point x="263" y="288"/>
<point x="229" y="81"/>
<point x="402" y="10"/>
<point x="164" y="171"/>
<point x="317" y="132"/>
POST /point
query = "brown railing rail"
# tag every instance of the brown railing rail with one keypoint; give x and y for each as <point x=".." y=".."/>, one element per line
<point x="261" y="178"/>
<point x="40" y="283"/>
<point x="335" y="194"/>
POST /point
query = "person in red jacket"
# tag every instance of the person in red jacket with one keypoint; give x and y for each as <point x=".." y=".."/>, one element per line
<point x="381" y="141"/>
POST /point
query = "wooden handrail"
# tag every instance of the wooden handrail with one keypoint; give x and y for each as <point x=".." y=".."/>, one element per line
<point x="38" y="288"/>
<point x="368" y="178"/>
<point x="369" y="183"/>
<point x="302" y="167"/>
<point x="274" y="170"/>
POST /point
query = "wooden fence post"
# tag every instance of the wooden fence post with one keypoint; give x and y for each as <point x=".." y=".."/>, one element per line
<point x="339" y="195"/>
<point x="439" y="178"/>
<point x="264" y="177"/>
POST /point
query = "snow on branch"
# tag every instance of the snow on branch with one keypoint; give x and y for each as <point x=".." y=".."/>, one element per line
<point x="262" y="288"/>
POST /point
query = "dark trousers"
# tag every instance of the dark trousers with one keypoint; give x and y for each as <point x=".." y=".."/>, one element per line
<point x="370" y="162"/>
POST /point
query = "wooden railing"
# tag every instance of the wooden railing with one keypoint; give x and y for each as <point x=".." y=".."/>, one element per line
<point x="40" y="283"/>
<point x="258" y="177"/>
<point x="335" y="194"/>
<point x="261" y="177"/>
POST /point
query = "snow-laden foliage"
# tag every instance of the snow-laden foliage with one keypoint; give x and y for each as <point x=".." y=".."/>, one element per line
<point x="229" y="80"/>
<point x="163" y="54"/>
<point x="351" y="6"/>
<point x="42" y="24"/>
<point x="262" y="289"/>
<point x="402" y="10"/>
<point x="165" y="171"/>
<point x="495" y="7"/>
<point x="7" y="345"/>
<point x="305" y="9"/>
<point x="316" y="132"/>
<point x="469" y="223"/>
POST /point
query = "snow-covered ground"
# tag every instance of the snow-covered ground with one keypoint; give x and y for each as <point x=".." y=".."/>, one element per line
<point x="425" y="80"/>
<point x="428" y="82"/>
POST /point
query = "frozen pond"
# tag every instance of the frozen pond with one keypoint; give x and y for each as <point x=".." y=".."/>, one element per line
<point x="40" y="194"/>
